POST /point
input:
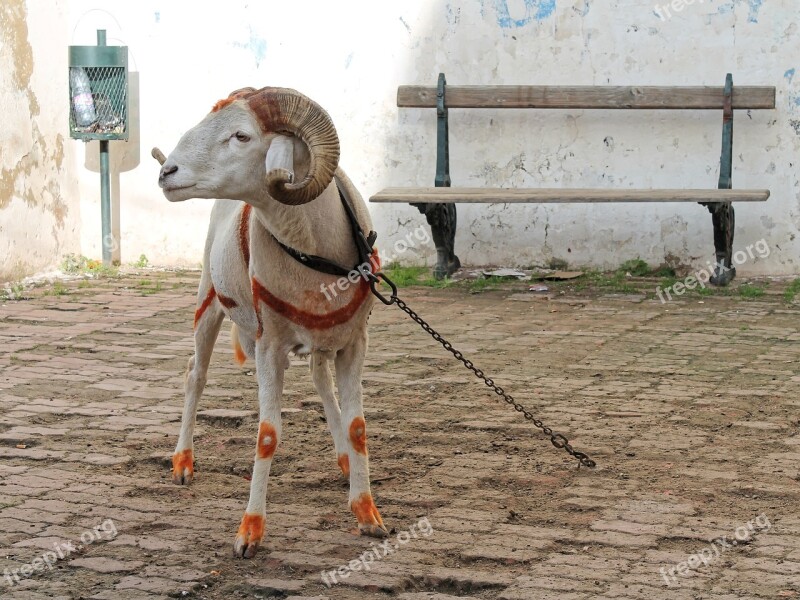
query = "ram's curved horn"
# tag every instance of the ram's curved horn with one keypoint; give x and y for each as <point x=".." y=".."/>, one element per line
<point x="282" y="110"/>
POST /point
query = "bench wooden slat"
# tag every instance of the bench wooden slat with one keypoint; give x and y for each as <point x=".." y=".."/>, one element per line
<point x="608" y="97"/>
<point x="444" y="195"/>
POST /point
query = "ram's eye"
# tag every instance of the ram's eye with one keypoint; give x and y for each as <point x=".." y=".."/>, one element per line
<point x="242" y="137"/>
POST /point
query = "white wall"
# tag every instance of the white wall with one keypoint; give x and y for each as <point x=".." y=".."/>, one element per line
<point x="350" y="56"/>
<point x="39" y="210"/>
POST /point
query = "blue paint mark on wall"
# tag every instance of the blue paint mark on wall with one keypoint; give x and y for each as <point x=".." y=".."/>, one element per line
<point x="753" y="5"/>
<point x="534" y="10"/>
<point x="256" y="45"/>
<point x="794" y="95"/>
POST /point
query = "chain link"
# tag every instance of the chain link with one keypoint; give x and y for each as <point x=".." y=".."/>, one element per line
<point x="557" y="439"/>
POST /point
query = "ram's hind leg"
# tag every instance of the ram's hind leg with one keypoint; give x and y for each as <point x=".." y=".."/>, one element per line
<point x="208" y="318"/>
<point x="323" y="382"/>
<point x="349" y="364"/>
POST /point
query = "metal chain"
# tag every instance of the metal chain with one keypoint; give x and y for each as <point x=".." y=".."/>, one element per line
<point x="558" y="440"/>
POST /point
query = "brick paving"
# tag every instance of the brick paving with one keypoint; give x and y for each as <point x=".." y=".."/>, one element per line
<point x="690" y="409"/>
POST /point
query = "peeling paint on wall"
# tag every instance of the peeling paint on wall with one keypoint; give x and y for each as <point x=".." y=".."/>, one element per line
<point x="522" y="12"/>
<point x="35" y="219"/>
<point x="256" y="45"/>
<point x="753" y="5"/>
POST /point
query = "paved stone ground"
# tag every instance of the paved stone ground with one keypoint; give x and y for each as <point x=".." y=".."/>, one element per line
<point x="690" y="409"/>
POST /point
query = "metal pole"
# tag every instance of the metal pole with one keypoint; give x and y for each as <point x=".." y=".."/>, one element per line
<point x="105" y="185"/>
<point x="105" y="203"/>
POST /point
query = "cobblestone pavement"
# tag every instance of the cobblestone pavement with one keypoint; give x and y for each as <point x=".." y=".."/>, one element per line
<point x="690" y="409"/>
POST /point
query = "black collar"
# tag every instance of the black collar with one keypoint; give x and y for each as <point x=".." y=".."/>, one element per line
<point x="323" y="265"/>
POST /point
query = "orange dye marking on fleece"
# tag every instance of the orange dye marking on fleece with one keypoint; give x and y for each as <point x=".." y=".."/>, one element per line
<point x="365" y="510"/>
<point x="238" y="352"/>
<point x="358" y="435"/>
<point x="181" y="461"/>
<point x="204" y="306"/>
<point x="307" y="319"/>
<point x="344" y="464"/>
<point x="244" y="233"/>
<point x="223" y="103"/>
<point x="267" y="440"/>
<point x="251" y="528"/>
<point x="226" y="302"/>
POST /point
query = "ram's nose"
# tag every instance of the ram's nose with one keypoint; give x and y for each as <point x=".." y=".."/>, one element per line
<point x="166" y="171"/>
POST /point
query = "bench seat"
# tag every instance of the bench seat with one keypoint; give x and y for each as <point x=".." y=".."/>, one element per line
<point x="449" y="195"/>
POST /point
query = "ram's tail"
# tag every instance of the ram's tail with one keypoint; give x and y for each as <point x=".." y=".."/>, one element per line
<point x="243" y="347"/>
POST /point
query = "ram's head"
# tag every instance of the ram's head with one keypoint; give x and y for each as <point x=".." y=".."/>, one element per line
<point x="224" y="155"/>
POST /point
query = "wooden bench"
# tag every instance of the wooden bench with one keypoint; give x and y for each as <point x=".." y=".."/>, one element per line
<point x="438" y="203"/>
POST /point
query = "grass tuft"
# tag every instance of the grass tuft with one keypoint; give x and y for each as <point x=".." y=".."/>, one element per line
<point x="792" y="290"/>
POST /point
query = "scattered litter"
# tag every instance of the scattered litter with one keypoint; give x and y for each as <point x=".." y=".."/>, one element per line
<point x="506" y="273"/>
<point x="22" y="446"/>
<point x="539" y="288"/>
<point x="558" y="275"/>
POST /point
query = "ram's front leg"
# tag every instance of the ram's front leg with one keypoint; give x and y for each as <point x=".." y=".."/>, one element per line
<point x="349" y="363"/>
<point x="270" y="367"/>
<point x="207" y="321"/>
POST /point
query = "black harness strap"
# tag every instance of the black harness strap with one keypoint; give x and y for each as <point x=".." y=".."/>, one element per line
<point x="323" y="265"/>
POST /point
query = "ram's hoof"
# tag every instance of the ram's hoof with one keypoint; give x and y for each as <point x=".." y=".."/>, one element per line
<point x="183" y="467"/>
<point x="249" y="536"/>
<point x="376" y="531"/>
<point x="369" y="519"/>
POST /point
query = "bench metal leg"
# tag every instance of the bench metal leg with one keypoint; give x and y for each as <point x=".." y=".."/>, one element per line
<point x="722" y="214"/>
<point x="442" y="219"/>
<point x="722" y="217"/>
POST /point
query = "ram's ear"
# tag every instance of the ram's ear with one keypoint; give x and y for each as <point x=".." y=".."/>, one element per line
<point x="280" y="158"/>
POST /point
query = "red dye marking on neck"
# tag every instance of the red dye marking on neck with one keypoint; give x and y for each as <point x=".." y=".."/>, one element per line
<point x="267" y="440"/>
<point x="307" y="319"/>
<point x="358" y="435"/>
<point x="244" y="233"/>
<point x="204" y="306"/>
<point x="226" y="302"/>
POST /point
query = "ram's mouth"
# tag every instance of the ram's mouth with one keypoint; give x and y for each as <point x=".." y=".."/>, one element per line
<point x="174" y="188"/>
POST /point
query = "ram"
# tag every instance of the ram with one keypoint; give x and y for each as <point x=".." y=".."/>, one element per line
<point x="270" y="158"/>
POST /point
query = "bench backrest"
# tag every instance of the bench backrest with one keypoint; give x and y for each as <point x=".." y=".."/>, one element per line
<point x="444" y="97"/>
<point x="603" y="97"/>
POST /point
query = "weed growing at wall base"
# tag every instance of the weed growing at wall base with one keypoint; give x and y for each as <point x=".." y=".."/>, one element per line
<point x="701" y="277"/>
